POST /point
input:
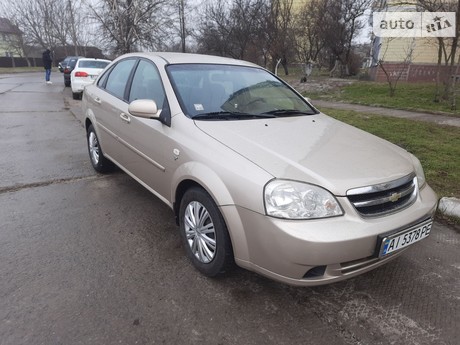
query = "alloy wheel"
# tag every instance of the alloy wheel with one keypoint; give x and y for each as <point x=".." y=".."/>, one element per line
<point x="200" y="232"/>
<point x="93" y="147"/>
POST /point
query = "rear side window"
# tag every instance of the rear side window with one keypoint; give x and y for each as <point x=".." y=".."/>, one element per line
<point x="103" y="79"/>
<point x="118" y="77"/>
<point x="72" y="63"/>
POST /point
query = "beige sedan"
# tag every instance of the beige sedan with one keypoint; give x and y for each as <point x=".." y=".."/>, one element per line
<point x="254" y="173"/>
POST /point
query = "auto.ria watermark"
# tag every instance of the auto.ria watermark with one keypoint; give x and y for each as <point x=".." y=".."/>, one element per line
<point x="414" y="24"/>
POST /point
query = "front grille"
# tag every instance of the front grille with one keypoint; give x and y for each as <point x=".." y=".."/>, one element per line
<point x="385" y="198"/>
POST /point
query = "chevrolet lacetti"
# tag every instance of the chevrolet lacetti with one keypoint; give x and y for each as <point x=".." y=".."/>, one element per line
<point x="254" y="173"/>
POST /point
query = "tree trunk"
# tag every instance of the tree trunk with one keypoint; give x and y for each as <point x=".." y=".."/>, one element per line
<point x="438" y="72"/>
<point x="453" y="69"/>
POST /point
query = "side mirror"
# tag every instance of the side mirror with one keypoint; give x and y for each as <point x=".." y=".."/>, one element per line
<point x="308" y="99"/>
<point x="146" y="108"/>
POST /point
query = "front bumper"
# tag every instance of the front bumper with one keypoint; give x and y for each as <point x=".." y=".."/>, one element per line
<point x="316" y="252"/>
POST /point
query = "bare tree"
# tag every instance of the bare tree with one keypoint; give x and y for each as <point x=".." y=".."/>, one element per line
<point x="48" y="24"/>
<point x="231" y="28"/>
<point x="447" y="49"/>
<point x="214" y="32"/>
<point x="310" y="40"/>
<point x="182" y="29"/>
<point x="75" y="24"/>
<point x="35" y="18"/>
<point x="394" y="76"/>
<point x="184" y="24"/>
<point x="341" y="26"/>
<point x="353" y="10"/>
<point x="130" y="25"/>
<point x="245" y="15"/>
<point x="281" y="32"/>
<point x="254" y="29"/>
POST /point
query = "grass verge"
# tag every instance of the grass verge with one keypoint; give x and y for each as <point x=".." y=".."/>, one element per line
<point x="409" y="96"/>
<point x="5" y="70"/>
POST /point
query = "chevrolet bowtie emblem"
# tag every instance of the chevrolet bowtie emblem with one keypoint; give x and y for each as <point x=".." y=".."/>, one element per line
<point x="395" y="197"/>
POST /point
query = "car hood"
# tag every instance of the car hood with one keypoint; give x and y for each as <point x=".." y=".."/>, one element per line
<point x="316" y="149"/>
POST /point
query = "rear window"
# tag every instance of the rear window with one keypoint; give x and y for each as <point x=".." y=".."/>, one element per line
<point x="93" y="64"/>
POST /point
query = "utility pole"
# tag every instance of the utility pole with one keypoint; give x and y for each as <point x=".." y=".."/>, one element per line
<point x="73" y="31"/>
<point x="182" y="24"/>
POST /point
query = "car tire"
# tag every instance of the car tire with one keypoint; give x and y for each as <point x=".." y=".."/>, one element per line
<point x="98" y="161"/>
<point x="204" y="233"/>
<point x="76" y="95"/>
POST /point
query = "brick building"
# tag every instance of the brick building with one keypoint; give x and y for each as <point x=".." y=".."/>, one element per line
<point x="414" y="59"/>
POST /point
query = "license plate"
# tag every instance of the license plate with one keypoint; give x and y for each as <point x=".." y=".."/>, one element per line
<point x="405" y="238"/>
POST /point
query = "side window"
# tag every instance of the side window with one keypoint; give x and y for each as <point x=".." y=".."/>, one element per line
<point x="103" y="78"/>
<point x="72" y="63"/>
<point x="118" y="77"/>
<point x="147" y="84"/>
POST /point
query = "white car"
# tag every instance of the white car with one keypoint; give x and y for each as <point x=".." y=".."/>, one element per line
<point x="85" y="72"/>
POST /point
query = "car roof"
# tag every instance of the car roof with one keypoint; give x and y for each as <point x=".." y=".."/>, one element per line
<point x="93" y="59"/>
<point x="73" y="57"/>
<point x="187" y="58"/>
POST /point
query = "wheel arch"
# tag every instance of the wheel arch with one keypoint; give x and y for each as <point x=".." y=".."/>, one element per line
<point x="90" y="119"/>
<point x="194" y="174"/>
<point x="204" y="177"/>
<point x="88" y="123"/>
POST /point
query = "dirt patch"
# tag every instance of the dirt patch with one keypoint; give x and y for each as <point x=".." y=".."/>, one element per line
<point x="320" y="85"/>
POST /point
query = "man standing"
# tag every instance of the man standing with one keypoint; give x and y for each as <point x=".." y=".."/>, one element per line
<point x="47" y="61"/>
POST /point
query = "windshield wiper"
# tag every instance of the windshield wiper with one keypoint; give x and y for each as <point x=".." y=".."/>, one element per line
<point x="289" y="112"/>
<point x="228" y="115"/>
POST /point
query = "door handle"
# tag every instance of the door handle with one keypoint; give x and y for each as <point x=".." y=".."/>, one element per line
<point x="97" y="100"/>
<point x="125" y="117"/>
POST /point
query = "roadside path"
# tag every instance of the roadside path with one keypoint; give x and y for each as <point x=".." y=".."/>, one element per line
<point x="412" y="115"/>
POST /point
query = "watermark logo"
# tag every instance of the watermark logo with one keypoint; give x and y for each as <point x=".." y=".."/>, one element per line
<point x="414" y="24"/>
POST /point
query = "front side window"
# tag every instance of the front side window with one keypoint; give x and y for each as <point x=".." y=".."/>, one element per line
<point x="147" y="84"/>
<point x="210" y="92"/>
<point x="118" y="78"/>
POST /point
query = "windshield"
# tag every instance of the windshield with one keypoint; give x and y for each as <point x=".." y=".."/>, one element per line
<point x="223" y="92"/>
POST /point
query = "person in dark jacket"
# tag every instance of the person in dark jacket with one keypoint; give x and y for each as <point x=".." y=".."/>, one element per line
<point x="47" y="61"/>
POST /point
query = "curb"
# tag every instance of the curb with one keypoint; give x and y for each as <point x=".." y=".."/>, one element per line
<point x="450" y="207"/>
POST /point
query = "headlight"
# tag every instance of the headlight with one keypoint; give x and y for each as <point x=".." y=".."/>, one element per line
<point x="297" y="200"/>
<point x="418" y="171"/>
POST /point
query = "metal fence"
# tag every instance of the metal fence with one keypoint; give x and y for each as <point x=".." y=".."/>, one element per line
<point x="20" y="62"/>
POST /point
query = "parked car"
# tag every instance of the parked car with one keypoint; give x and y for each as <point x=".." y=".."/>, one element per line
<point x="252" y="171"/>
<point x="85" y="72"/>
<point x="70" y="65"/>
<point x="62" y="65"/>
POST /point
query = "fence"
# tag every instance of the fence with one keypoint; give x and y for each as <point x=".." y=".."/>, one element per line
<point x="20" y="62"/>
<point x="411" y="72"/>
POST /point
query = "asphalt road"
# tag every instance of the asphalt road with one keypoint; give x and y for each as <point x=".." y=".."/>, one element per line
<point x="93" y="259"/>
